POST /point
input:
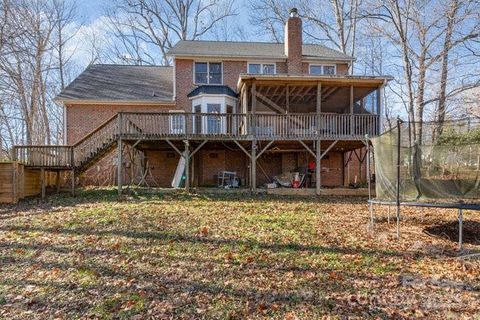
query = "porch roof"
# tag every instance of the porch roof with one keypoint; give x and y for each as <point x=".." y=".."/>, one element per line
<point x="340" y="80"/>
<point x="302" y="90"/>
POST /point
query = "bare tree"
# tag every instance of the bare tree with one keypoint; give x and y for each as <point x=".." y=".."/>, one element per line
<point x="33" y="68"/>
<point x="332" y="22"/>
<point x="146" y="29"/>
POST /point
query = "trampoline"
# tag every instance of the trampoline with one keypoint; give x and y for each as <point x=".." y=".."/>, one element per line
<point x="429" y="165"/>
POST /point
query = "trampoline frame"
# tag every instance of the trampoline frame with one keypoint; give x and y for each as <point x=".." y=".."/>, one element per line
<point x="460" y="206"/>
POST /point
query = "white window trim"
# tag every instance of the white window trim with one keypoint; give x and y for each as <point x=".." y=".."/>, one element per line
<point x="208" y="72"/>
<point x="170" y="122"/>
<point x="322" y="65"/>
<point x="261" y="63"/>
<point x="204" y="100"/>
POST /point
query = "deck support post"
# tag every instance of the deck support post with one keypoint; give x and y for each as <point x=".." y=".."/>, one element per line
<point x="119" y="166"/>
<point x="253" y="168"/>
<point x="460" y="229"/>
<point x="57" y="181"/>
<point x="186" y="155"/>
<point x="42" y="182"/>
<point x="72" y="176"/>
<point x="318" y="156"/>
<point x="318" y="161"/>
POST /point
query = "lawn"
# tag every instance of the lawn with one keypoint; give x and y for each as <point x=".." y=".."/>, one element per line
<point x="231" y="257"/>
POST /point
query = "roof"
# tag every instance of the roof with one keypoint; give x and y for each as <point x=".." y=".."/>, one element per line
<point x="266" y="50"/>
<point x="336" y="79"/>
<point x="106" y="82"/>
<point x="212" y="89"/>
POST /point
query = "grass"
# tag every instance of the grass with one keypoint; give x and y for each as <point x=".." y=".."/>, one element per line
<point x="227" y="257"/>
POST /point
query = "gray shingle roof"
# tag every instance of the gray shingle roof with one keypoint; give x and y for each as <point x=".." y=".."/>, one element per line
<point x="105" y="82"/>
<point x="211" y="89"/>
<point x="265" y="50"/>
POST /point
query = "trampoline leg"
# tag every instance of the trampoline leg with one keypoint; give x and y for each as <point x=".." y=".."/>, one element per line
<point x="398" y="222"/>
<point x="460" y="229"/>
<point x="388" y="214"/>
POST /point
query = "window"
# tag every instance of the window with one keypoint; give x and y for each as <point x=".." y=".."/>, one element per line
<point x="214" y="122"/>
<point x="269" y="68"/>
<point x="215" y="72"/>
<point x="323" y="69"/>
<point x="258" y="68"/>
<point x="208" y="72"/>
<point x="328" y="69"/>
<point x="254" y="68"/>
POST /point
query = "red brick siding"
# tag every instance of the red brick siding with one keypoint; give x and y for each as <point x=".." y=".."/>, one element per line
<point x="162" y="165"/>
<point x="353" y="168"/>
<point x="83" y="119"/>
<point x="293" y="45"/>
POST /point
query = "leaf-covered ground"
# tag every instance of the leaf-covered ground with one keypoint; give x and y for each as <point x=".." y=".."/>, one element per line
<point x="219" y="257"/>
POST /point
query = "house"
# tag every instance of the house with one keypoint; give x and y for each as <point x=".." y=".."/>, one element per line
<point x="258" y="109"/>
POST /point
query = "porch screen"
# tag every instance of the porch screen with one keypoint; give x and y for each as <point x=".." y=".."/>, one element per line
<point x="442" y="165"/>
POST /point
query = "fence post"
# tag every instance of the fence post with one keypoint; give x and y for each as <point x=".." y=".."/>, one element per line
<point x="14" y="153"/>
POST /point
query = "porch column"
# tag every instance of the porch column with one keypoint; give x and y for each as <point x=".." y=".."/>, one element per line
<point x="352" y="127"/>
<point x="254" y="109"/>
<point x="253" y="168"/>
<point x="379" y="108"/>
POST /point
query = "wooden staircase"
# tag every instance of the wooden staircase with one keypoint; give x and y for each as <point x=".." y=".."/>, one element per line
<point x="80" y="156"/>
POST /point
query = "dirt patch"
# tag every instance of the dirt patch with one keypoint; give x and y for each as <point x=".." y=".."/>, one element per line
<point x="449" y="231"/>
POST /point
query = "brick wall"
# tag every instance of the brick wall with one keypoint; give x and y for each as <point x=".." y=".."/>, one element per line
<point x="293" y="45"/>
<point x="162" y="166"/>
<point x="83" y="119"/>
<point x="185" y="82"/>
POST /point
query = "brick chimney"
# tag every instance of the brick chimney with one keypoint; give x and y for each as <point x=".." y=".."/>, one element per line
<point x="293" y="42"/>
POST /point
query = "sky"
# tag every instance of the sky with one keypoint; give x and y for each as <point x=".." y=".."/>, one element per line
<point x="91" y="16"/>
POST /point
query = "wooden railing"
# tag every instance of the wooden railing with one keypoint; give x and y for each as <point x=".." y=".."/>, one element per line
<point x="277" y="126"/>
<point x="44" y="156"/>
<point x="95" y="141"/>
<point x="198" y="125"/>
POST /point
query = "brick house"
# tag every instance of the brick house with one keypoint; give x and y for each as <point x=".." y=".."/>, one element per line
<point x="254" y="108"/>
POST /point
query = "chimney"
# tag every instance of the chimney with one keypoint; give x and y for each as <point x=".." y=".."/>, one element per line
<point x="293" y="42"/>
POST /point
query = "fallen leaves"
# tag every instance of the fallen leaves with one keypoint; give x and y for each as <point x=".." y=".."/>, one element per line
<point x="190" y="257"/>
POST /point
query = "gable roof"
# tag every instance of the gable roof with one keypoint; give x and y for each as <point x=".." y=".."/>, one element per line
<point x="265" y="50"/>
<point x="106" y="82"/>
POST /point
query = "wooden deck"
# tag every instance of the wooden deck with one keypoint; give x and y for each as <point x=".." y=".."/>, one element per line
<point x="198" y="126"/>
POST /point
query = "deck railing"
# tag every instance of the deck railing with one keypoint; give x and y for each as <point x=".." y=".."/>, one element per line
<point x="44" y="156"/>
<point x="273" y="126"/>
<point x="180" y="125"/>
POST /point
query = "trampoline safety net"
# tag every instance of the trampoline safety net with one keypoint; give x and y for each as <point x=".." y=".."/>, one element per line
<point x="443" y="164"/>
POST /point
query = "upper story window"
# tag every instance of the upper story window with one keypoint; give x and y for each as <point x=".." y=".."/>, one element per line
<point x="327" y="69"/>
<point x="265" y="68"/>
<point x="208" y="72"/>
